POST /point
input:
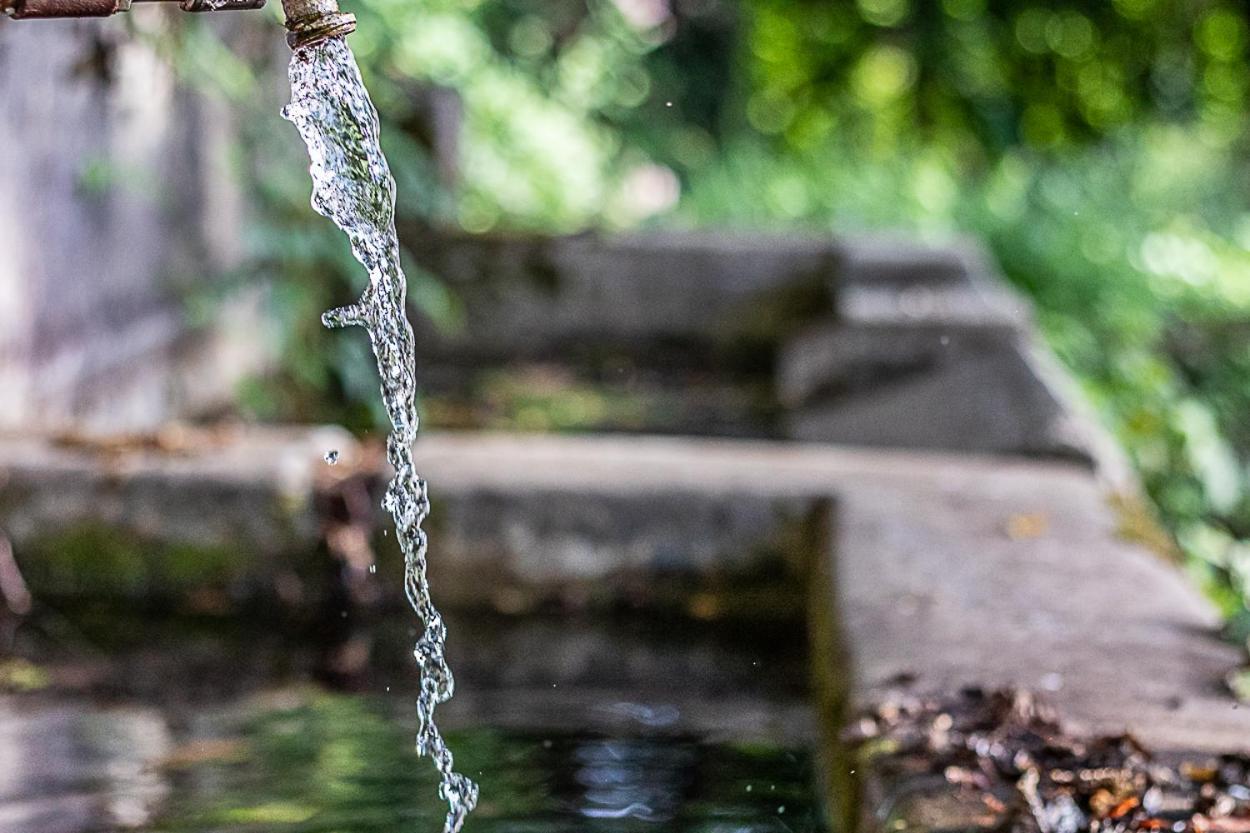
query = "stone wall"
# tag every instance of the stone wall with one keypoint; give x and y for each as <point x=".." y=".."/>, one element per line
<point x="118" y="196"/>
<point x="648" y="293"/>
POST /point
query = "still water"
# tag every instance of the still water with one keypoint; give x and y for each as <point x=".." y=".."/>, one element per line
<point x="167" y="726"/>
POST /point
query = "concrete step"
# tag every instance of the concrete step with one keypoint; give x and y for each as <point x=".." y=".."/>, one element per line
<point x="930" y="348"/>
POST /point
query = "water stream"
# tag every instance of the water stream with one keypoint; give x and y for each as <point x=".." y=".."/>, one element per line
<point x="353" y="187"/>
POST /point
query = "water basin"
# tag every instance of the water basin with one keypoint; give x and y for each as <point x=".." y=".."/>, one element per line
<point x="569" y="724"/>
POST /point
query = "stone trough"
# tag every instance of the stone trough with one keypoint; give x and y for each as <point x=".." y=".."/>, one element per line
<point x="937" y="507"/>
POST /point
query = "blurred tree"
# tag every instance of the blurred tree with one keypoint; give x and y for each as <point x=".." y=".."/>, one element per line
<point x="983" y="76"/>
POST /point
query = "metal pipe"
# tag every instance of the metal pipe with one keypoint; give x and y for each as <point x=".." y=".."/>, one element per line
<point x="36" y="9"/>
<point x="312" y="21"/>
<point x="307" y="21"/>
<point x="33" y="9"/>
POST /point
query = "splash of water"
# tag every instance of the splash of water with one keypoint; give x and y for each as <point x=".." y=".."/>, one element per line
<point x="352" y="186"/>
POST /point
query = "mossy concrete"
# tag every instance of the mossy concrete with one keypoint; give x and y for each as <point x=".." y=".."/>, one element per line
<point x="945" y="570"/>
<point x="94" y="560"/>
<point x="211" y="519"/>
<point x="252" y="515"/>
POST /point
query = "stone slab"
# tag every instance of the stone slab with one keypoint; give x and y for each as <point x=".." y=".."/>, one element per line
<point x="962" y="399"/>
<point x="946" y="570"/>
<point x="246" y="514"/>
<point x="516" y="546"/>
<point x="949" y="571"/>
<point x="153" y="517"/>
<point x="250" y="485"/>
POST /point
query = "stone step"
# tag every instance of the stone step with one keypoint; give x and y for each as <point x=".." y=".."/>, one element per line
<point x="930" y="348"/>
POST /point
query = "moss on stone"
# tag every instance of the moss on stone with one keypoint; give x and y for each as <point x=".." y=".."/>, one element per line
<point x="98" y="561"/>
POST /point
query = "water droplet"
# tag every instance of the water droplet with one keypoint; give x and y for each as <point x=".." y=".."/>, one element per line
<point x="332" y="456"/>
<point x="781" y="809"/>
<point x="373" y="568"/>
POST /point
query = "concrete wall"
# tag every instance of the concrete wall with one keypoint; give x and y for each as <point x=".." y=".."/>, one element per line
<point x="117" y="196"/>
<point x="536" y="297"/>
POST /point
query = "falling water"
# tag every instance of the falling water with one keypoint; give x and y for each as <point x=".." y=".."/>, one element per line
<point x="352" y="185"/>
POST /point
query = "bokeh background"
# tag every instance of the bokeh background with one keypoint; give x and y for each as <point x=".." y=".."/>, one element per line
<point x="1099" y="149"/>
<point x="204" y="595"/>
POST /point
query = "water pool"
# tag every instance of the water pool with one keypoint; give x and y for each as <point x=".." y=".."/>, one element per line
<point x="569" y="725"/>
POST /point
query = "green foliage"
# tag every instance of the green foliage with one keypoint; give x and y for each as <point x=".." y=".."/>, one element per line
<point x="1096" y="147"/>
<point x="535" y="79"/>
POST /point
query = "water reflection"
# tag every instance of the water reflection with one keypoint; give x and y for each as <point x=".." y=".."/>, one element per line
<point x="632" y="778"/>
<point x="315" y="762"/>
<point x="67" y="769"/>
<point x="203" y="731"/>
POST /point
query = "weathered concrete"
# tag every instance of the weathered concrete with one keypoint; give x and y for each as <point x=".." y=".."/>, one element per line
<point x="244" y="513"/>
<point x="949" y="570"/>
<point x="165" y="516"/>
<point x="530" y="297"/>
<point x="515" y="547"/>
<point x="968" y="388"/>
<point x="946" y="570"/>
<point x="931" y="349"/>
<point x="120" y="193"/>
<point x="876" y="341"/>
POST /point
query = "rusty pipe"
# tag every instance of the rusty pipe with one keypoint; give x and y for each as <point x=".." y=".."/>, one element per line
<point x="31" y="9"/>
<point x="36" y="9"/>
<point x="312" y="21"/>
<point x="307" y="21"/>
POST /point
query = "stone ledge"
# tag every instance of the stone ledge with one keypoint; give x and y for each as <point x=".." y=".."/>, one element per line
<point x="247" y="515"/>
<point x="946" y="570"/>
<point x="157" y="517"/>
